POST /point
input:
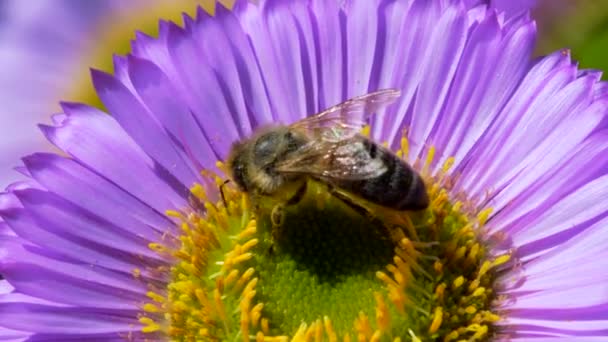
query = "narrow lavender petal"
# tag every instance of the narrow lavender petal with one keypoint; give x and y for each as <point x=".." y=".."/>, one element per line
<point x="584" y="163"/>
<point x="419" y="23"/>
<point x="27" y="227"/>
<point x="21" y="254"/>
<point x="205" y="97"/>
<point x="277" y="50"/>
<point x="329" y="41"/>
<point x="167" y="105"/>
<point x="96" y="140"/>
<point x="220" y="54"/>
<point x="552" y="129"/>
<point x="545" y="208"/>
<point x="442" y="55"/>
<point x="540" y="84"/>
<point x="107" y="337"/>
<point x="79" y="185"/>
<point x="241" y="52"/>
<point x="135" y="119"/>
<point x="9" y="335"/>
<point x="5" y="287"/>
<point x="47" y="319"/>
<point x="569" y="276"/>
<point x="71" y="221"/>
<point x="485" y="82"/>
<point x="44" y="283"/>
<point x="362" y="38"/>
<point x="580" y="329"/>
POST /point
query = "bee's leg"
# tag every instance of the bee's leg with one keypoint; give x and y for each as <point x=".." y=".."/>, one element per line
<point x="297" y="197"/>
<point x="349" y="202"/>
<point x="223" y="196"/>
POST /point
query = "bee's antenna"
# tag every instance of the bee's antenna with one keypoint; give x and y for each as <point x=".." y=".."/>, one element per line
<point x="222" y="194"/>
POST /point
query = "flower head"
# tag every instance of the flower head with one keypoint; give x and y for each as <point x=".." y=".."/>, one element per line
<point x="130" y="237"/>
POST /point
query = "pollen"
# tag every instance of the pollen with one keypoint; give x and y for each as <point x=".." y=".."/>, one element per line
<point x="328" y="273"/>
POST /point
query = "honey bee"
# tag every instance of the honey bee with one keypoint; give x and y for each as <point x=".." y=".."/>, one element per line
<point x="327" y="147"/>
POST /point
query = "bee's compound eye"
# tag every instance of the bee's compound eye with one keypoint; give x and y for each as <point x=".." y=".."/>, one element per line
<point x="265" y="146"/>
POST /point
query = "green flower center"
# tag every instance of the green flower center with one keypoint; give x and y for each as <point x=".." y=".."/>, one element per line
<point x="331" y="270"/>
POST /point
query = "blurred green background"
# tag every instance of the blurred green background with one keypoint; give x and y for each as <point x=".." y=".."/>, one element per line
<point x="581" y="25"/>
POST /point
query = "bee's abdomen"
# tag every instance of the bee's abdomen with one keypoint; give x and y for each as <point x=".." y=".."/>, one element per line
<point x="400" y="187"/>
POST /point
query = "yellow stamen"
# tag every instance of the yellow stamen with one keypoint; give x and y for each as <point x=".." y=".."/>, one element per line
<point x="437" y="320"/>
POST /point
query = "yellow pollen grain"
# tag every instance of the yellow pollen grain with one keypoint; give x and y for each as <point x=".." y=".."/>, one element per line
<point x="245" y="326"/>
<point x="397" y="275"/>
<point x="483" y="216"/>
<point x="249" y="231"/>
<point x="398" y="298"/>
<point x="329" y="330"/>
<point x="136" y="272"/>
<point x="404" y="268"/>
<point x="460" y="252"/>
<point x="265" y="324"/>
<point x="231" y="277"/>
<point x="440" y="291"/>
<point x="386" y="279"/>
<point x="249" y="245"/>
<point x="470" y="309"/>
<point x="453" y="335"/>
<point x="155" y="297"/>
<point x="478" y="292"/>
<point x="405" y="147"/>
<point x="438" y="267"/>
<point x="458" y="282"/>
<point x="318" y="330"/>
<point x="149" y="307"/>
<point x="362" y="326"/>
<point x="457" y="206"/>
<point x="158" y="248"/>
<point x="199" y="192"/>
<point x="474" y="285"/>
<point x="448" y="164"/>
<point x="501" y="260"/>
<point x="485" y="267"/>
<point x="242" y="258"/>
<point x="365" y="131"/>
<point x="244" y="278"/>
<point x="376" y="336"/>
<point x="256" y="314"/>
<point x="472" y="256"/>
<point x="429" y="160"/>
<point x="300" y="335"/>
<point x="383" y="318"/>
<point x="437" y="320"/>
<point x="174" y="214"/>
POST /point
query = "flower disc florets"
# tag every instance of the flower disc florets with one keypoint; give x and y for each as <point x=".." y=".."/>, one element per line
<point x="331" y="269"/>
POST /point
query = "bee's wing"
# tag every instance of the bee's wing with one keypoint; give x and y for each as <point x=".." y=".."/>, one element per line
<point x="346" y="119"/>
<point x="347" y="159"/>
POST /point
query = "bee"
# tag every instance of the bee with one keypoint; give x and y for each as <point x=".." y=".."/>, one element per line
<point x="278" y="161"/>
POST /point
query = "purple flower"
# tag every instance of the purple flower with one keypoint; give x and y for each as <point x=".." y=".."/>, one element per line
<point x="125" y="238"/>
